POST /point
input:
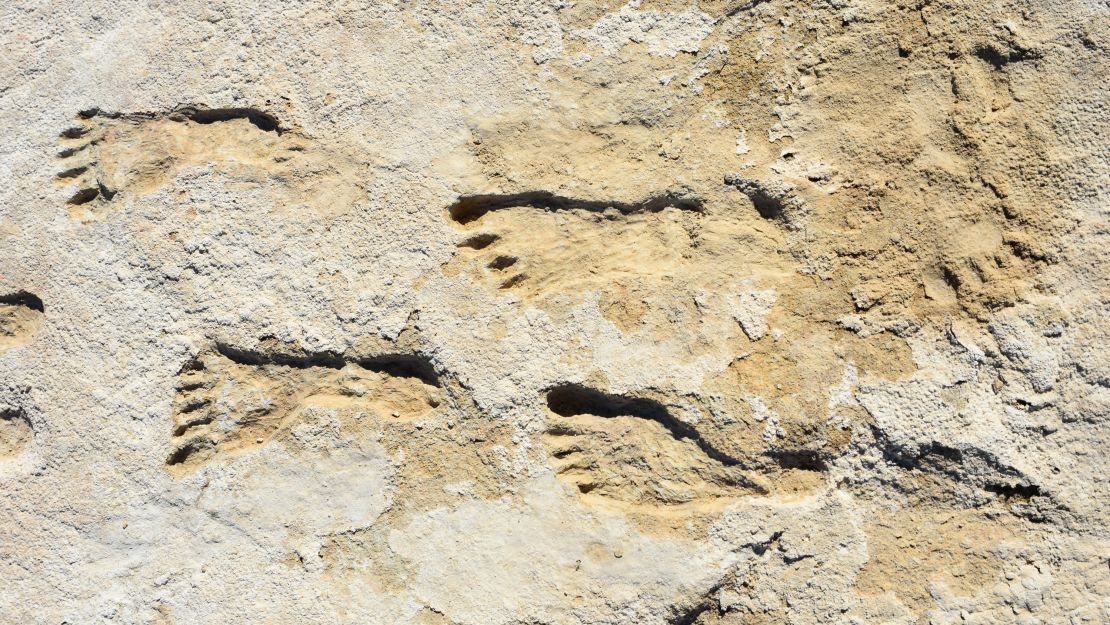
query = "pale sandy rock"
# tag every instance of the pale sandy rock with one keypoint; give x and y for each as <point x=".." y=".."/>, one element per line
<point x="664" y="33"/>
<point x="566" y="313"/>
<point x="751" y="311"/>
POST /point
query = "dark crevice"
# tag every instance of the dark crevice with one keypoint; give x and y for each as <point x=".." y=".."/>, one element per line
<point x="260" y="359"/>
<point x="471" y="207"/>
<point x="262" y="120"/>
<point x="774" y="201"/>
<point x="480" y="241"/>
<point x="571" y="400"/>
<point x="1019" y="491"/>
<point x="513" y="281"/>
<point x="762" y="547"/>
<point x="395" y="365"/>
<point x="950" y="278"/>
<point x="196" y="364"/>
<point x="1025" y="251"/>
<point x="998" y="58"/>
<point x="502" y="263"/>
<point x="182" y="454"/>
<point x="944" y="451"/>
<point x="72" y="173"/>
<point x="926" y="458"/>
<point x="403" y="366"/>
<point x="197" y="114"/>
<point x="84" y="196"/>
<point x="775" y="541"/>
<point x="800" y="459"/>
<point x="1027" y="405"/>
<point x="68" y="152"/>
<point x="105" y="192"/>
<point x="24" y="299"/>
<point x="768" y="206"/>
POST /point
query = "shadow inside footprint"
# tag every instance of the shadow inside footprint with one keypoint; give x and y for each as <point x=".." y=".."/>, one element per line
<point x="469" y="208"/>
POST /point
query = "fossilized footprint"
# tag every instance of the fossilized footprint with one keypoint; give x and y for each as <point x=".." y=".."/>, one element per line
<point x="16" y="432"/>
<point x="540" y="243"/>
<point x="105" y="154"/>
<point x="230" y="399"/>
<point x="634" y="451"/>
<point x="21" y="316"/>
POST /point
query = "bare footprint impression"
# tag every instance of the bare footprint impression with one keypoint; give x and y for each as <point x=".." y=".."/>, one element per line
<point x="230" y="400"/>
<point x="633" y="451"/>
<point x="16" y="432"/>
<point x="540" y="243"/>
<point x="21" y="316"/>
<point x="105" y="154"/>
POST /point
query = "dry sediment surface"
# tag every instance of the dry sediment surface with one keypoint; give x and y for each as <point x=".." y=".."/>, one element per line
<point x="518" y="313"/>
